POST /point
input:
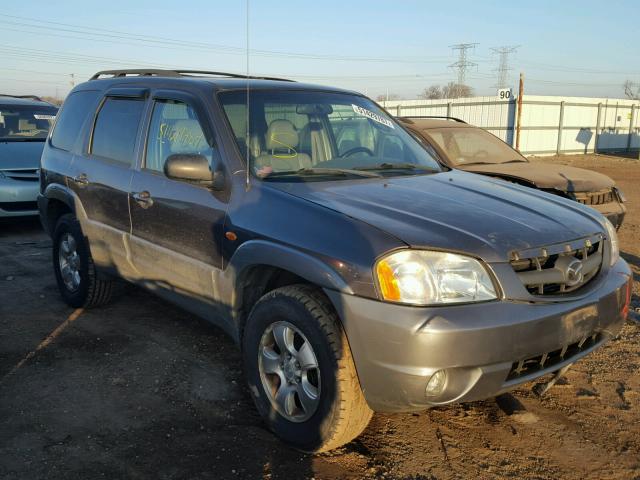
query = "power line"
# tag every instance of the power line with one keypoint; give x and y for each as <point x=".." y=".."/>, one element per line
<point x="463" y="63"/>
<point x="503" y="64"/>
<point x="113" y="36"/>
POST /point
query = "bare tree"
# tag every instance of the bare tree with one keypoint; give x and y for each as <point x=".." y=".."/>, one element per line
<point x="450" y="90"/>
<point x="432" y="93"/>
<point x="456" y="90"/>
<point x="631" y="90"/>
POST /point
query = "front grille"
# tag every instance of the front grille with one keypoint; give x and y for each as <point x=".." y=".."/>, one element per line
<point x="594" y="198"/>
<point x="24" y="174"/>
<point x="18" y="206"/>
<point x="547" y="360"/>
<point x="559" y="268"/>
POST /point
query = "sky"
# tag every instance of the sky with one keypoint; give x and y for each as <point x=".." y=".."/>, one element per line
<point x="576" y="48"/>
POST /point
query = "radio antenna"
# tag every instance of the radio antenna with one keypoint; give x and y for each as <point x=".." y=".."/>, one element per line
<point x="248" y="139"/>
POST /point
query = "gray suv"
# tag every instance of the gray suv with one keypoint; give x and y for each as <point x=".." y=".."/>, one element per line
<point x="356" y="272"/>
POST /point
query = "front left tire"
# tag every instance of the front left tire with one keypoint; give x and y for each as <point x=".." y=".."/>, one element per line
<point x="300" y="371"/>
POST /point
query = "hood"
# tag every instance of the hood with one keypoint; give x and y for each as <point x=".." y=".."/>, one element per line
<point x="547" y="175"/>
<point x="455" y="211"/>
<point x="17" y="155"/>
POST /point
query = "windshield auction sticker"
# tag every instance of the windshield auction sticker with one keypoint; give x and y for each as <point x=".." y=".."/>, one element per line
<point x="373" y="116"/>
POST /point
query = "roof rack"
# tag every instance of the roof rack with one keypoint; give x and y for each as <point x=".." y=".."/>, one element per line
<point x="176" y="73"/>
<point x="32" y="97"/>
<point x="441" y="117"/>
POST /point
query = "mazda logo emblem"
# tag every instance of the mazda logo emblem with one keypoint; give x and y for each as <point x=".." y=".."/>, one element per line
<point x="574" y="273"/>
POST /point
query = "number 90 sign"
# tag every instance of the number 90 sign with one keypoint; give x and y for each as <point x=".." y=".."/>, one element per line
<point x="504" y="94"/>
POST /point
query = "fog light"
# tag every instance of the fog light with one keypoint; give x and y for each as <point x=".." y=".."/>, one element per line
<point x="436" y="384"/>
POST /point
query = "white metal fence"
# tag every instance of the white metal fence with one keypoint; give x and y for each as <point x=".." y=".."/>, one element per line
<point x="548" y="125"/>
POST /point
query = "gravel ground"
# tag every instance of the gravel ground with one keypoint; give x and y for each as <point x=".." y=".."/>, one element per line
<point x="140" y="389"/>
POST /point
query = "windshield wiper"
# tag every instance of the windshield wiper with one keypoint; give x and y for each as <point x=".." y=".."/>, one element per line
<point x="388" y="166"/>
<point x="464" y="164"/>
<point x="343" y="172"/>
<point x="406" y="168"/>
<point x="22" y="139"/>
<point x="490" y="163"/>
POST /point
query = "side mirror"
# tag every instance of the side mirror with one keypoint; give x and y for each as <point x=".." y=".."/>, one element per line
<point x="192" y="167"/>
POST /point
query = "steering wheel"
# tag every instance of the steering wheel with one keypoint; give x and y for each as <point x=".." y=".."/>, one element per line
<point x="353" y="150"/>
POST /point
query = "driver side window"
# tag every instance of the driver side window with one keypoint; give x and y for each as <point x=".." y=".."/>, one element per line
<point x="174" y="129"/>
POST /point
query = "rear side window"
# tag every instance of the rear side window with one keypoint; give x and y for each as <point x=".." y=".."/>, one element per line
<point x="116" y="129"/>
<point x="77" y="107"/>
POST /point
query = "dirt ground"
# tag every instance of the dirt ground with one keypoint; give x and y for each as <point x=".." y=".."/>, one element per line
<point x="140" y="389"/>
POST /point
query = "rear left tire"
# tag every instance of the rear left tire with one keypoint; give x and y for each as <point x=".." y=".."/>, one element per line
<point x="74" y="269"/>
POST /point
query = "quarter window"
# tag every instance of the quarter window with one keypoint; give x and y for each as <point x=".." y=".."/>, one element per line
<point x="116" y="129"/>
<point x="174" y="129"/>
<point x="75" y="111"/>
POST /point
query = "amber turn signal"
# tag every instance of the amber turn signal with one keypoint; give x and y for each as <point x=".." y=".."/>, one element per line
<point x="387" y="281"/>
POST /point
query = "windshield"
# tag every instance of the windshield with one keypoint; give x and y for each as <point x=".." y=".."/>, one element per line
<point x="472" y="146"/>
<point x="25" y="122"/>
<point x="313" y="135"/>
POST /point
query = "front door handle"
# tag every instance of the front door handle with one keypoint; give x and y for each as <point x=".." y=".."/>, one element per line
<point x="143" y="198"/>
<point x="81" y="179"/>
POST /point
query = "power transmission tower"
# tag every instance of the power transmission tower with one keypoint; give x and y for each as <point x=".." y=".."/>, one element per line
<point x="463" y="63"/>
<point x="503" y="64"/>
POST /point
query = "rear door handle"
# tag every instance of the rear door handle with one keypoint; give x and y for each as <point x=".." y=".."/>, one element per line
<point x="81" y="179"/>
<point x="143" y="198"/>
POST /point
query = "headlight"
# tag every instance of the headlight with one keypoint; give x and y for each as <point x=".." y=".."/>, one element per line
<point x="620" y="195"/>
<point x="422" y="277"/>
<point x="612" y="235"/>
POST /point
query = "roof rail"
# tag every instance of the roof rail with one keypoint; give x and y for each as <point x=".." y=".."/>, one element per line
<point x="32" y="97"/>
<point x="176" y="73"/>
<point x="441" y="117"/>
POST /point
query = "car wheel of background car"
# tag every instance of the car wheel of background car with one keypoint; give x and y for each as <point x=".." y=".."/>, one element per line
<point x="73" y="266"/>
<point x="300" y="370"/>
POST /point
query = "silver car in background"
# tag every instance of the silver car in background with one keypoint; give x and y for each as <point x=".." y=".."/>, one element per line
<point x="24" y="125"/>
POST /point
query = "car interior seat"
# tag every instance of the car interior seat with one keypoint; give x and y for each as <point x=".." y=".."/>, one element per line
<point x="281" y="143"/>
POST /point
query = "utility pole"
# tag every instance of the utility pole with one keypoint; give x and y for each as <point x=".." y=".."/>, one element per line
<point x="463" y="63"/>
<point x="503" y="64"/>
<point x="520" y="95"/>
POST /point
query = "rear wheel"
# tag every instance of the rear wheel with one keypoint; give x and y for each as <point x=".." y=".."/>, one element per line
<point x="300" y="370"/>
<point x="73" y="266"/>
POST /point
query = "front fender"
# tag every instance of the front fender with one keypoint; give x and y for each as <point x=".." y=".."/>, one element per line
<point x="304" y="265"/>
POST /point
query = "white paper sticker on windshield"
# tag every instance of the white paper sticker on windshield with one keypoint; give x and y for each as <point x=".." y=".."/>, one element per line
<point x="373" y="116"/>
<point x="38" y="116"/>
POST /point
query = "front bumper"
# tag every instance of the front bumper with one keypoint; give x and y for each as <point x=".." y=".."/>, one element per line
<point x="18" y="198"/>
<point x="398" y="348"/>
